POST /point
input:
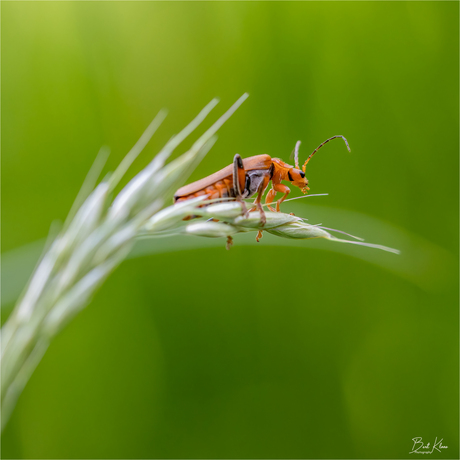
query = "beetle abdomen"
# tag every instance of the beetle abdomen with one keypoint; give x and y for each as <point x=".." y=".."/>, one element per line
<point x="220" y="189"/>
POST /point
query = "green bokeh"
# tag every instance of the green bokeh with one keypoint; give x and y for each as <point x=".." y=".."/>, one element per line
<point x="257" y="352"/>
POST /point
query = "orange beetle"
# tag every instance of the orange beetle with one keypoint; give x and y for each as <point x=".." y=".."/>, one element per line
<point x="245" y="178"/>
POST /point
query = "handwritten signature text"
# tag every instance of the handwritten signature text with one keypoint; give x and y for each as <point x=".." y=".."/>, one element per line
<point x="420" y="448"/>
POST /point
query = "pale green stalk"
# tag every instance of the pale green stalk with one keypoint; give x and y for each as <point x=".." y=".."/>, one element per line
<point x="232" y="221"/>
<point x="97" y="236"/>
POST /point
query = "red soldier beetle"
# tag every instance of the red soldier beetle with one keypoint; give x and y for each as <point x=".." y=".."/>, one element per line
<point x="246" y="177"/>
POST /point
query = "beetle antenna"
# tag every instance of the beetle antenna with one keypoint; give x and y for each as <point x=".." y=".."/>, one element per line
<point x="320" y="145"/>
<point x="296" y="154"/>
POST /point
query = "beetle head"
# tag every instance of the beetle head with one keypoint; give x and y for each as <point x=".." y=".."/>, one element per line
<point x="297" y="178"/>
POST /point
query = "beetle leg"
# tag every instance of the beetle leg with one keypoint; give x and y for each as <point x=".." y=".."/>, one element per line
<point x="239" y="179"/>
<point x="283" y="189"/>
<point x="257" y="202"/>
<point x="269" y="198"/>
<point x="229" y="242"/>
<point x="239" y="175"/>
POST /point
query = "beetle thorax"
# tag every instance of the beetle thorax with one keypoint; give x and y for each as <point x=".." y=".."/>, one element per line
<point x="281" y="170"/>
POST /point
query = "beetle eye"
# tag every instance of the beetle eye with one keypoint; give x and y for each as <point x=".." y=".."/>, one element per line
<point x="302" y="174"/>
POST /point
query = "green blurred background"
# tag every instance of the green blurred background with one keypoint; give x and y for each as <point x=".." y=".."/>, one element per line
<point x="311" y="350"/>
